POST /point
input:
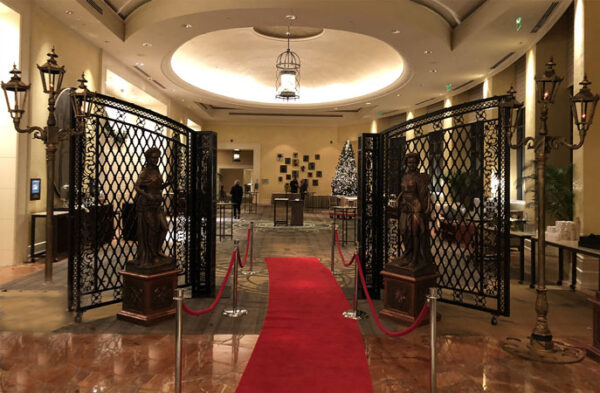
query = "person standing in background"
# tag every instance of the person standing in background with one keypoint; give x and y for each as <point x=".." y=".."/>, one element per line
<point x="294" y="186"/>
<point x="303" y="188"/>
<point x="237" y="192"/>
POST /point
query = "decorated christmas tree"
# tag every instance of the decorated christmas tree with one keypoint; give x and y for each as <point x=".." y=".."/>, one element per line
<point x="345" y="181"/>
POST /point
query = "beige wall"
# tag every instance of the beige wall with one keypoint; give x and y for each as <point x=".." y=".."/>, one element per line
<point x="225" y="159"/>
<point x="289" y="138"/>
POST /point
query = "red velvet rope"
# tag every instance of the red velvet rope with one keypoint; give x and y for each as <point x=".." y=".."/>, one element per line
<point x="242" y="265"/>
<point x="337" y="242"/>
<point x="412" y="327"/>
<point x="212" y="306"/>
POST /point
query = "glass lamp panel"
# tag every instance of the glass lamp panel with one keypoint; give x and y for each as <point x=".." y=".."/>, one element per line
<point x="287" y="83"/>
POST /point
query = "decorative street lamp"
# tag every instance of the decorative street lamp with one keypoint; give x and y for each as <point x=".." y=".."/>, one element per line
<point x="540" y="346"/>
<point x="15" y="92"/>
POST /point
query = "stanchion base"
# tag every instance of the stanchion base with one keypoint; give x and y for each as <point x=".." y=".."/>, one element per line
<point x="355" y="314"/>
<point x="560" y="353"/>
<point x="248" y="272"/>
<point x="235" y="312"/>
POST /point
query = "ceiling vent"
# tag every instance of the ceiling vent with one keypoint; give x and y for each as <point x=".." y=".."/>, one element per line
<point x="283" y="114"/>
<point x="138" y="69"/>
<point x="422" y="102"/>
<point x="347" y="110"/>
<point x="157" y="83"/>
<point x="502" y="60"/>
<point x="463" y="85"/>
<point x="545" y="17"/>
<point x="95" y="6"/>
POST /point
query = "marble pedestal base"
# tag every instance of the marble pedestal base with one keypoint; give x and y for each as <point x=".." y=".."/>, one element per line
<point x="594" y="350"/>
<point x="404" y="296"/>
<point x="148" y="298"/>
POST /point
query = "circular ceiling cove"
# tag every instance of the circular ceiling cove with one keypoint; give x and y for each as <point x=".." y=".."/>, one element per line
<point x="281" y="32"/>
<point x="240" y="64"/>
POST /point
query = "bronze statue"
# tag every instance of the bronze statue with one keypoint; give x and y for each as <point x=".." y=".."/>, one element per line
<point x="152" y="223"/>
<point x="414" y="202"/>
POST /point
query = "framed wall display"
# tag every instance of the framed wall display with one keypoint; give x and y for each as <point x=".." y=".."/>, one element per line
<point x="295" y="174"/>
<point x="264" y="181"/>
<point x="279" y="157"/>
<point x="319" y="174"/>
<point x="288" y="160"/>
<point x="288" y="177"/>
<point x="317" y="156"/>
<point x="295" y="162"/>
<point x="315" y="182"/>
<point x="295" y="154"/>
<point x="35" y="189"/>
<point x="311" y="166"/>
<point x="305" y="158"/>
<point x="282" y="168"/>
<point x="302" y="168"/>
<point x="310" y="174"/>
<point x="280" y="179"/>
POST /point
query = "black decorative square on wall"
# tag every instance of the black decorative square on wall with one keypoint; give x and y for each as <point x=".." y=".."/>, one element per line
<point x="288" y="177"/>
<point x="311" y="166"/>
<point x="315" y="182"/>
<point x="295" y="162"/>
<point x="317" y="156"/>
<point x="288" y="160"/>
<point x="279" y="157"/>
<point x="305" y="158"/>
<point x="310" y="174"/>
<point x="302" y="168"/>
<point x="280" y="179"/>
<point x="295" y="155"/>
<point x="319" y="174"/>
<point x="295" y="174"/>
<point x="282" y="168"/>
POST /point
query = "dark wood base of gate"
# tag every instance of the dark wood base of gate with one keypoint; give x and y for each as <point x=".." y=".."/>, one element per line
<point x="148" y="298"/>
<point x="404" y="296"/>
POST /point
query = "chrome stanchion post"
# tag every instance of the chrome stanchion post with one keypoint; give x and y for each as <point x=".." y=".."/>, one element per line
<point x="432" y="298"/>
<point x="251" y="272"/>
<point x="178" y="344"/>
<point x="235" y="311"/>
<point x="333" y="246"/>
<point x="355" y="313"/>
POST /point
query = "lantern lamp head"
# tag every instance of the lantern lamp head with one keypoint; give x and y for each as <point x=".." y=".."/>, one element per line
<point x="52" y="74"/>
<point x="548" y="83"/>
<point x="583" y="105"/>
<point x="15" y="92"/>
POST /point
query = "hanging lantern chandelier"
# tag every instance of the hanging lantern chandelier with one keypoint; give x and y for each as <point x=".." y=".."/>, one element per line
<point x="287" y="84"/>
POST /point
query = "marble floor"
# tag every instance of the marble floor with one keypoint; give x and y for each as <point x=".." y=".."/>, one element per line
<point x="129" y="363"/>
<point x="43" y="350"/>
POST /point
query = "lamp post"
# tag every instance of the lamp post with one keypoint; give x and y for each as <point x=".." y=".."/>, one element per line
<point x="15" y="92"/>
<point x="540" y="346"/>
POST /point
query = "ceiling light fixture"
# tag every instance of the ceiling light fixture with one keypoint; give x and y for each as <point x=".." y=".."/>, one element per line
<point x="434" y="70"/>
<point x="395" y="31"/>
<point x="287" y="70"/>
<point x="139" y="64"/>
<point x="69" y="12"/>
<point x="146" y="45"/>
<point x="186" y="26"/>
<point x="427" y="52"/>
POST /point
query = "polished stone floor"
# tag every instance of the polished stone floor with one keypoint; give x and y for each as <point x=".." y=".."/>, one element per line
<point x="43" y="350"/>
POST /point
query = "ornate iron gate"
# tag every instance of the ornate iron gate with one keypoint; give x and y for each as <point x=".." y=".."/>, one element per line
<point x="105" y="163"/>
<point x="463" y="149"/>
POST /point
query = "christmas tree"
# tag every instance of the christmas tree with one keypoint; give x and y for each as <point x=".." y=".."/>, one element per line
<point x="345" y="181"/>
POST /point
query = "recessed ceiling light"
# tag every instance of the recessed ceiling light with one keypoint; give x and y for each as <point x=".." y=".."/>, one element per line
<point x="186" y="26"/>
<point x="139" y="64"/>
<point x="69" y="12"/>
<point x="397" y="95"/>
<point x="146" y="45"/>
<point x="427" y="52"/>
<point x="434" y="70"/>
<point x="395" y="31"/>
<point x="106" y="41"/>
<point x="367" y="103"/>
<point x="290" y="17"/>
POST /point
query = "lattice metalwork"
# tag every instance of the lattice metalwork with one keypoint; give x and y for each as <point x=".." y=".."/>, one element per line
<point x="463" y="149"/>
<point x="105" y="163"/>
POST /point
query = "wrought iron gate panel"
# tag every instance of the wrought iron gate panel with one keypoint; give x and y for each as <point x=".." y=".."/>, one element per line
<point x="105" y="163"/>
<point x="464" y="151"/>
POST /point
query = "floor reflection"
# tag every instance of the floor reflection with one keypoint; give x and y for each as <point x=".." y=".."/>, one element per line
<point x="215" y="363"/>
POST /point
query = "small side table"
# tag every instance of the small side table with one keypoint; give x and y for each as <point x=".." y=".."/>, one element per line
<point x="60" y="217"/>
<point x="297" y="206"/>
<point x="284" y="202"/>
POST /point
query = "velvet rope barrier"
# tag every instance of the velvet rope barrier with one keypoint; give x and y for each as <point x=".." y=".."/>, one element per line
<point x="337" y="242"/>
<point x="242" y="265"/>
<point x="212" y="306"/>
<point x="412" y="327"/>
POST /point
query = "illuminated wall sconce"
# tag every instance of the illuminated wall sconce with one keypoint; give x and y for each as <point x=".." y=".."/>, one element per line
<point x="236" y="155"/>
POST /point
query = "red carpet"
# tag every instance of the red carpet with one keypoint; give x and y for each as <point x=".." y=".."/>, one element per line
<point x="306" y="345"/>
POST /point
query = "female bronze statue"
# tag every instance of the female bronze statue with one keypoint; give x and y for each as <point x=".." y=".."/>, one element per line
<point x="152" y="223"/>
<point x="414" y="202"/>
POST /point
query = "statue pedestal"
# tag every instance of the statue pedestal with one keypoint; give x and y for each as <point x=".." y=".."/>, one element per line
<point x="148" y="298"/>
<point x="404" y="296"/>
